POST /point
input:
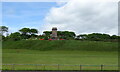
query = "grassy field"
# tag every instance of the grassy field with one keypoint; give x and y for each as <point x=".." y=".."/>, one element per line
<point x="17" y="56"/>
<point x="59" y="52"/>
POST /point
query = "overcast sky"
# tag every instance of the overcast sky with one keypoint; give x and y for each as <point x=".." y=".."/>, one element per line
<point x="78" y="16"/>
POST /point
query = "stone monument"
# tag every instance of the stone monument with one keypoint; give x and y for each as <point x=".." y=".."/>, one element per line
<point x="54" y="33"/>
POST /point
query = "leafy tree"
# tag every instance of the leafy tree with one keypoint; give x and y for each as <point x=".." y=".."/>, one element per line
<point x="106" y="36"/>
<point x="114" y="37"/>
<point x="46" y="37"/>
<point x="15" y="36"/>
<point x="47" y="33"/>
<point x="82" y="36"/>
<point x="66" y="34"/>
<point x="59" y="33"/>
<point x="95" y="36"/>
<point x="33" y="31"/>
<point x="72" y="34"/>
<point x="25" y="31"/>
<point x="3" y="29"/>
<point x="3" y="38"/>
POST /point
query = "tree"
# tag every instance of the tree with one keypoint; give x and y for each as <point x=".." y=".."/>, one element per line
<point x="82" y="36"/>
<point x="72" y="34"/>
<point x="114" y="37"/>
<point x="3" y="29"/>
<point x="47" y="33"/>
<point x="59" y="33"/>
<point x="105" y="36"/>
<point x="3" y="38"/>
<point x="95" y="37"/>
<point x="68" y="35"/>
<point x="33" y="31"/>
<point x="25" y="31"/>
<point x="15" y="36"/>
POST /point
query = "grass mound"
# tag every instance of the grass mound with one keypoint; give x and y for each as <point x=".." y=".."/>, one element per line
<point x="46" y="45"/>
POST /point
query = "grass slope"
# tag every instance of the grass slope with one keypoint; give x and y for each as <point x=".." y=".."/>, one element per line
<point x="61" y="45"/>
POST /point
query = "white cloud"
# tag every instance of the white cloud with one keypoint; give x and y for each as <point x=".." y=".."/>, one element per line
<point x="84" y="17"/>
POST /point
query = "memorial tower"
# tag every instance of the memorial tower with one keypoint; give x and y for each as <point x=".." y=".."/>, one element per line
<point x="54" y="33"/>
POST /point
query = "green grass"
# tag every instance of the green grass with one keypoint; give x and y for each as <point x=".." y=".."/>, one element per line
<point x="12" y="56"/>
<point x="70" y="45"/>
<point x="67" y="52"/>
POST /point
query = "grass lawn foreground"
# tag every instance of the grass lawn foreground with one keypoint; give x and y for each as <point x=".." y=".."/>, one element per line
<point x="61" y="57"/>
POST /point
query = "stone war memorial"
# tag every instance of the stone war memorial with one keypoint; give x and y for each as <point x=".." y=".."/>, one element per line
<point x="54" y="33"/>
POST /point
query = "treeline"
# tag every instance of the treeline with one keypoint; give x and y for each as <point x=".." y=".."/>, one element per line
<point x="27" y="33"/>
<point x="24" y="33"/>
<point x="98" y="37"/>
